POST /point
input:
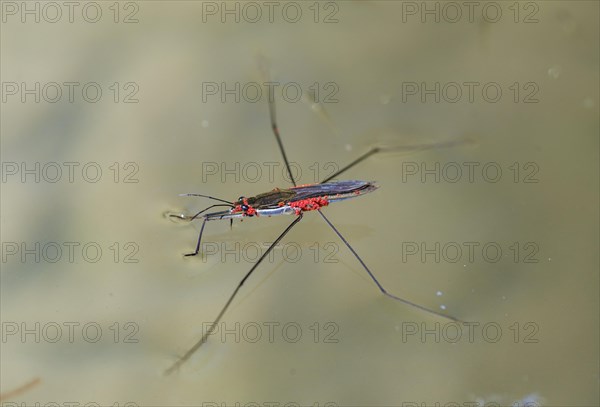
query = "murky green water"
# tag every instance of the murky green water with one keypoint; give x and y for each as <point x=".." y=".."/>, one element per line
<point x="515" y="251"/>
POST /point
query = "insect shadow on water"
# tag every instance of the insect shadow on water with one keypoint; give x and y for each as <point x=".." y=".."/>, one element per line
<point x="295" y="201"/>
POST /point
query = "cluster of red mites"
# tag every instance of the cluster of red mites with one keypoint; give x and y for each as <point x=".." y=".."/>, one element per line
<point x="310" y="204"/>
<point x="249" y="212"/>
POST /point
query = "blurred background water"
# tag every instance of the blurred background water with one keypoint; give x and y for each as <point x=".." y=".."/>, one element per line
<point x="156" y="132"/>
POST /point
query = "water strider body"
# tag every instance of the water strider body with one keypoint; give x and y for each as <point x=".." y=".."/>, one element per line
<point x="288" y="201"/>
<point x="297" y="200"/>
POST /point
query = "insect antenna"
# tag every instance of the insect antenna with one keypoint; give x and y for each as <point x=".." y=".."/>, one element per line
<point x="209" y="197"/>
<point x="210" y="330"/>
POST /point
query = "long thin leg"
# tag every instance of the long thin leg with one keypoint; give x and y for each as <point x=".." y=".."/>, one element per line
<point x="191" y="218"/>
<point x="199" y="240"/>
<point x="383" y="290"/>
<point x="407" y="149"/>
<point x="193" y="349"/>
<point x="278" y="137"/>
<point x="264" y="70"/>
<point x="363" y="157"/>
<point x="202" y="229"/>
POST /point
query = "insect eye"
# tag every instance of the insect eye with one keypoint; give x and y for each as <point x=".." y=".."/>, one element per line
<point x="245" y="207"/>
<point x="240" y="198"/>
